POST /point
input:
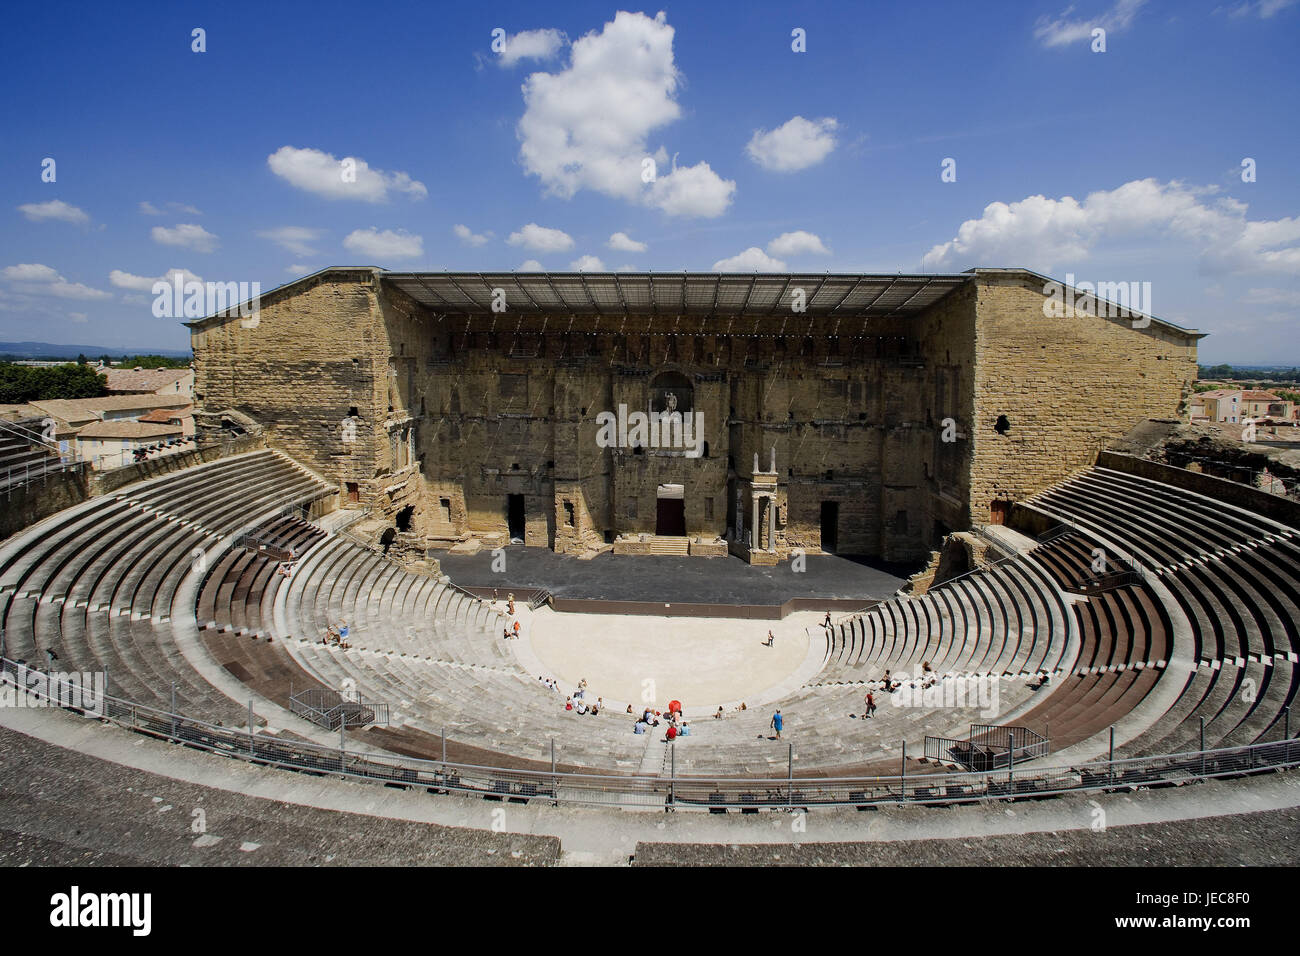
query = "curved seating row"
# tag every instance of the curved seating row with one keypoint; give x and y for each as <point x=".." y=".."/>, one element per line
<point x="1235" y="577"/>
<point x="92" y="588"/>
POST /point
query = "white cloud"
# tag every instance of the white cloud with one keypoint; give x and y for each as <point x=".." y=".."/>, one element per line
<point x="388" y="244"/>
<point x="187" y="235"/>
<point x="530" y="265"/>
<point x="469" y="237"/>
<point x="586" y="126"/>
<point x="127" y="280"/>
<point x="531" y="45"/>
<point x="1264" y="9"/>
<point x="1063" y="31"/>
<point x="587" y="264"/>
<point x="622" y="242"/>
<point x="752" y="259"/>
<point x="693" y="191"/>
<point x="294" y="239"/>
<point x="796" y="244"/>
<point x="627" y="268"/>
<point x="1038" y="232"/>
<point x="34" y="278"/>
<point x="149" y="209"/>
<point x="540" y="239"/>
<point x="1272" y="297"/>
<point x="55" y="209"/>
<point x="80" y="318"/>
<point x="321" y="173"/>
<point x="797" y="144"/>
<point x="299" y="270"/>
<point x="30" y="272"/>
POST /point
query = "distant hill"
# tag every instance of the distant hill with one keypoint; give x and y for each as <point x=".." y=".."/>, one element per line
<point x="48" y="350"/>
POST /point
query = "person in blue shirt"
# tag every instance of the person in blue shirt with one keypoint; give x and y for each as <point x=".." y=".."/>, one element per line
<point x="777" y="723"/>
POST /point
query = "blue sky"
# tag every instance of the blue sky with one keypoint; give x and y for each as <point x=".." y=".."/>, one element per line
<point x="1122" y="165"/>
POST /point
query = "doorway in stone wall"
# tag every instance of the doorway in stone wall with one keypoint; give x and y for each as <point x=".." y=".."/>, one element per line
<point x="670" y="515"/>
<point x="515" y="521"/>
<point x="830" y="526"/>
<point x="999" y="511"/>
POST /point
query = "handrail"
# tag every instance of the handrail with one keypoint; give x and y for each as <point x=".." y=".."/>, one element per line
<point x="611" y="789"/>
<point x="30" y="436"/>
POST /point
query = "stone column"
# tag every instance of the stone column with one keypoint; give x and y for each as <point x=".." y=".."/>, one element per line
<point x="756" y="530"/>
<point x="771" y="524"/>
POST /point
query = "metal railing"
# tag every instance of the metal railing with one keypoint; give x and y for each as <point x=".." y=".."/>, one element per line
<point x="332" y="710"/>
<point x="15" y="476"/>
<point x="988" y="747"/>
<point x="671" y="792"/>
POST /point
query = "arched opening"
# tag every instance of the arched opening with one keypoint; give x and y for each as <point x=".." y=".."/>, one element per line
<point x="671" y="392"/>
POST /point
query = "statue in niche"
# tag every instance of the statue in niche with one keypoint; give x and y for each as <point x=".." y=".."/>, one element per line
<point x="756" y="471"/>
<point x="670" y="403"/>
<point x="774" y="459"/>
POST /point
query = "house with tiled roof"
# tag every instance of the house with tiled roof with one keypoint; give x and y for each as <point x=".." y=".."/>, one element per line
<point x="1234" y="405"/>
<point x="150" y="381"/>
<point x="112" y="444"/>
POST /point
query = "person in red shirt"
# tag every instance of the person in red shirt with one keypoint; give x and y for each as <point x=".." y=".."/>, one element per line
<point x="672" y="733"/>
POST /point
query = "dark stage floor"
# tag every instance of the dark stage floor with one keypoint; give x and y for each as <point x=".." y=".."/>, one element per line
<point x="729" y="580"/>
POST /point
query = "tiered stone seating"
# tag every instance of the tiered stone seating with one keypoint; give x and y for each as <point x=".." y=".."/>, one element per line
<point x="435" y="655"/>
<point x="1006" y="620"/>
<point x="95" y="584"/>
<point x="1233" y="575"/>
<point x="232" y="598"/>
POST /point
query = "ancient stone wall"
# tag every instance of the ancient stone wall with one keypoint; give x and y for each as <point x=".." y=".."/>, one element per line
<point x="883" y="427"/>
<point x="1066" y="386"/>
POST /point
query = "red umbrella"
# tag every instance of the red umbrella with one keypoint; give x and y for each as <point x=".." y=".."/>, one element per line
<point x="674" y="706"/>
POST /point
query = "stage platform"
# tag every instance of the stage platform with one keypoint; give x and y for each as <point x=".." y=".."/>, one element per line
<point x="685" y="586"/>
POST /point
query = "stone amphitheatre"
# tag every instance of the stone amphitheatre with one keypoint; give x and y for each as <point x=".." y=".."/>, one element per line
<point x="306" y="623"/>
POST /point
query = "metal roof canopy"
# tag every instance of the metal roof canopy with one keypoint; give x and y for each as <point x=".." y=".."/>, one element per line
<point x="674" y="293"/>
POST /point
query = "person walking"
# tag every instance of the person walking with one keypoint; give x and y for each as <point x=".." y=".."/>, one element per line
<point x="777" y="724"/>
<point x="870" y="704"/>
<point x="771" y="640"/>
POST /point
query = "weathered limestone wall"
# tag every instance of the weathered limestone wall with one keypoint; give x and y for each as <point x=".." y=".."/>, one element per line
<point x="454" y="414"/>
<point x="1067" y="386"/>
<point x="313" y="357"/>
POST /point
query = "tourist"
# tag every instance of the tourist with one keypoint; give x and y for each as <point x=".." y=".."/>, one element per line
<point x="777" y="724"/>
<point x="639" y="727"/>
<point x="827" y="623"/>
<point x="568" y="703"/>
<point x="771" y="640"/>
<point x="505" y="636"/>
<point x="672" y="733"/>
<point x="685" y="730"/>
<point x="629" y="708"/>
<point x="595" y="708"/>
<point x="582" y="688"/>
<point x="718" y="715"/>
<point x="510" y="604"/>
<point x="870" y="704"/>
<point x="580" y="706"/>
<point x="343" y="631"/>
<point x="516" y="630"/>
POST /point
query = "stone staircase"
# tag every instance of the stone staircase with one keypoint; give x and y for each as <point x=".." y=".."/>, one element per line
<point x="665" y="545"/>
